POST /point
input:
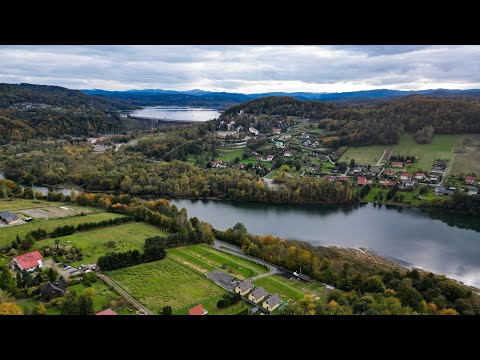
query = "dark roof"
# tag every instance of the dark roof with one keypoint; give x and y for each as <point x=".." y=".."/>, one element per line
<point x="245" y="285"/>
<point x="8" y="216"/>
<point x="273" y="300"/>
<point x="255" y="310"/>
<point x="304" y="277"/>
<point x="51" y="287"/>
<point x="258" y="293"/>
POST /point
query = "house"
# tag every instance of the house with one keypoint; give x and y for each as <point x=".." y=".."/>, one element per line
<point x="257" y="295"/>
<point x="277" y="131"/>
<point x="357" y="169"/>
<point x="440" y="191"/>
<point x="329" y="287"/>
<point x="396" y="164"/>
<point x="270" y="157"/>
<point x="197" y="310"/>
<point x="253" y="130"/>
<point x="272" y="302"/>
<point x="473" y="192"/>
<point x="433" y="178"/>
<point x="29" y="261"/>
<point x="254" y="310"/>
<point x="343" y="178"/>
<point x="389" y="183"/>
<point x="106" y="312"/>
<point x="243" y="287"/>
<point x="409" y="184"/>
<point x="405" y="176"/>
<point x="470" y="180"/>
<point x="389" y="173"/>
<point x="279" y="144"/>
<point x="331" y="177"/>
<point x="217" y="164"/>
<point x="307" y="143"/>
<point x="239" y="128"/>
<point x="51" y="290"/>
<point x="419" y="176"/>
<point x="305" y="136"/>
<point x="95" y="140"/>
<point x="9" y="217"/>
<point x="287" y="154"/>
<point x="362" y="180"/>
<point x="303" y="277"/>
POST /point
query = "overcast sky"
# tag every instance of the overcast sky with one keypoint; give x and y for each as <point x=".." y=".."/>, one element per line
<point x="244" y="69"/>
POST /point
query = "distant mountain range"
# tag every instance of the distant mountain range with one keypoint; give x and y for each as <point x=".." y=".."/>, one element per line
<point x="224" y="99"/>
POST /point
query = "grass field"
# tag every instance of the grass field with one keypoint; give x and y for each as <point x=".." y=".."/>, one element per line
<point x="102" y="296"/>
<point x="211" y="306"/>
<point x="8" y="234"/>
<point x="289" y="289"/>
<point x="20" y="204"/>
<point x="203" y="259"/>
<point x="129" y="236"/>
<point x="165" y="282"/>
<point x="466" y="155"/>
<point x="441" y="147"/>
<point x="230" y="155"/>
<point x="30" y="304"/>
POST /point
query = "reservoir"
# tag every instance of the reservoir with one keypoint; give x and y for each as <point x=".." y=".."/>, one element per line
<point x="177" y="113"/>
<point x="442" y="243"/>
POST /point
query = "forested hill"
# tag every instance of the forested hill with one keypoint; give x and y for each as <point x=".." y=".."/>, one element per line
<point x="28" y="111"/>
<point x="373" y="122"/>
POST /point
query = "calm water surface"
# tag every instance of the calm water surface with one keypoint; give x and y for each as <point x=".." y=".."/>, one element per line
<point x="444" y="244"/>
<point x="177" y="113"/>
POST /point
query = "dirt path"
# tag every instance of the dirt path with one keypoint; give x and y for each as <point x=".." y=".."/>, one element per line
<point x="123" y="293"/>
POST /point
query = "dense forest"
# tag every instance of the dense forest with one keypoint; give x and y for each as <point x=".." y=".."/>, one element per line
<point x="36" y="111"/>
<point x="377" y="122"/>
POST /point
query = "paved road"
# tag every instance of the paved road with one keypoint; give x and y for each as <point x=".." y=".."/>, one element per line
<point x="235" y="250"/>
<point x="381" y="158"/>
<point x="125" y="295"/>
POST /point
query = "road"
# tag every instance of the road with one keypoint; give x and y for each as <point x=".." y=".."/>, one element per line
<point x="123" y="293"/>
<point x="235" y="250"/>
<point x="381" y="158"/>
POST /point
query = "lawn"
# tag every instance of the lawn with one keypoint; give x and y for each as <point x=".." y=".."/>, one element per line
<point x="165" y="283"/>
<point x="254" y="161"/>
<point x="20" y="204"/>
<point x="441" y="147"/>
<point x="102" y="297"/>
<point x="370" y="197"/>
<point x="30" y="304"/>
<point x="211" y="306"/>
<point x="129" y="236"/>
<point x="272" y="174"/>
<point x="289" y="289"/>
<point x="466" y="157"/>
<point x="230" y="155"/>
<point x="8" y="234"/>
<point x="203" y="259"/>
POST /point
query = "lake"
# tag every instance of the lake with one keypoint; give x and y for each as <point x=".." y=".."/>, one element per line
<point x="443" y="244"/>
<point x="176" y="113"/>
<point x="45" y="190"/>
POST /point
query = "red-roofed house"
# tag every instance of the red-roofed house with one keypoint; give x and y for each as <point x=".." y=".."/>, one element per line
<point x="419" y="176"/>
<point x="405" y="176"/>
<point x="389" y="183"/>
<point x="277" y="131"/>
<point x="343" y="179"/>
<point x="397" y="164"/>
<point x="29" y="261"/>
<point x="362" y="180"/>
<point x="331" y="177"/>
<point x="389" y="173"/>
<point x="470" y="180"/>
<point x="270" y="157"/>
<point x="106" y="312"/>
<point x="197" y="310"/>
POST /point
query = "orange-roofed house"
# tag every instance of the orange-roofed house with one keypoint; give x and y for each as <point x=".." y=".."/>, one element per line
<point x="29" y="261"/>
<point x="197" y="310"/>
<point x="106" y="312"/>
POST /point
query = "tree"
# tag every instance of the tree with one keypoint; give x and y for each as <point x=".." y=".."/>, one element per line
<point x="89" y="292"/>
<point x="352" y="163"/>
<point x="373" y="284"/>
<point x="167" y="310"/>
<point x="5" y="297"/>
<point x="40" y="309"/>
<point x="240" y="227"/>
<point x="448" y="312"/>
<point x="57" y="242"/>
<point x="19" y="280"/>
<point x="10" y="308"/>
<point x="52" y="275"/>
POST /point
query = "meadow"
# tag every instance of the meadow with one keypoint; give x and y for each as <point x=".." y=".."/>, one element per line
<point x="466" y="155"/>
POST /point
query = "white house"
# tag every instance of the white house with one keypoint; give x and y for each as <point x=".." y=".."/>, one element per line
<point x="253" y="130"/>
<point x="29" y="261"/>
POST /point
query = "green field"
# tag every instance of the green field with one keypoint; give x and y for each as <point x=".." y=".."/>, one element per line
<point x="441" y="147"/>
<point x="20" y="204"/>
<point x="129" y="236"/>
<point x="211" y="306"/>
<point x="8" y="234"/>
<point x="466" y="157"/>
<point x="230" y="155"/>
<point x="203" y="259"/>
<point x="165" y="283"/>
<point x="30" y="304"/>
<point x="102" y="297"/>
<point x="289" y="289"/>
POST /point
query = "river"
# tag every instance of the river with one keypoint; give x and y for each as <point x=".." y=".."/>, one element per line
<point x="443" y="244"/>
<point x="176" y="113"/>
<point x="44" y="190"/>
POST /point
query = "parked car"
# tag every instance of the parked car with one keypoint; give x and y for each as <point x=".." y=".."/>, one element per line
<point x="73" y="271"/>
<point x="68" y="267"/>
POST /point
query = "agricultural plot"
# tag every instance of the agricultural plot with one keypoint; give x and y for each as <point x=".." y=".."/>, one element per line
<point x="466" y="155"/>
<point x="96" y="242"/>
<point x="8" y="234"/>
<point x="363" y="154"/>
<point x="202" y="258"/>
<point x="289" y="289"/>
<point x="165" y="283"/>
<point x="230" y="155"/>
<point x="20" y="204"/>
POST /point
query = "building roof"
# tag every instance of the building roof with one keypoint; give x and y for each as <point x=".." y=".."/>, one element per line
<point x="8" y="216"/>
<point x="419" y="174"/>
<point x="304" y="277"/>
<point x="106" y="312"/>
<point x="405" y="174"/>
<point x="258" y="293"/>
<point x="29" y="260"/>
<point x="51" y="287"/>
<point x="362" y="180"/>
<point x="273" y="301"/>
<point x="245" y="285"/>
<point x="471" y="178"/>
<point x="254" y="310"/>
<point x="197" y="310"/>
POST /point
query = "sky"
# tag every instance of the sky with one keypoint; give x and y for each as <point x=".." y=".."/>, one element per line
<point x="244" y="69"/>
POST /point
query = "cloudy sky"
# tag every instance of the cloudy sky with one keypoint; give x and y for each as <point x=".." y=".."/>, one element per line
<point x="244" y="69"/>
